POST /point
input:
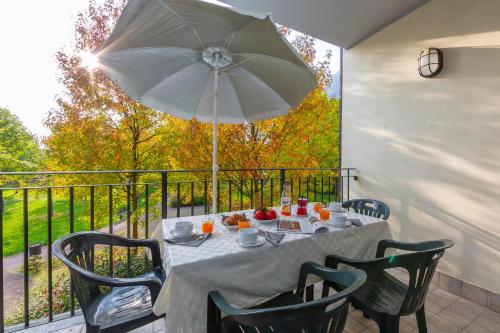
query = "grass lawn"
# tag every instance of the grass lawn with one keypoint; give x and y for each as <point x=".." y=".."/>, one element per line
<point x="13" y="229"/>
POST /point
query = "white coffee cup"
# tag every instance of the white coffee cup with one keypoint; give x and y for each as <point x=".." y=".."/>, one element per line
<point x="339" y="220"/>
<point x="335" y="206"/>
<point x="183" y="228"/>
<point x="248" y="236"/>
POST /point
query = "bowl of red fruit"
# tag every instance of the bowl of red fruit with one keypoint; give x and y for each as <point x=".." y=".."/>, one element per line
<point x="265" y="215"/>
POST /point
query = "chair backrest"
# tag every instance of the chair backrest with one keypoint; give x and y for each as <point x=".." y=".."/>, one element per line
<point x="325" y="315"/>
<point x="368" y="207"/>
<point x="421" y="265"/>
<point x="76" y="252"/>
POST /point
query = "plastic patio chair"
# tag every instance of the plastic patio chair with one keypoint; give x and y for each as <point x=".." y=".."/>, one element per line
<point x="385" y="298"/>
<point x="127" y="303"/>
<point x="368" y="207"/>
<point x="291" y="312"/>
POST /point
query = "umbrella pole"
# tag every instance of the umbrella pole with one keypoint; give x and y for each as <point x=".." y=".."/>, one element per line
<point x="214" y="140"/>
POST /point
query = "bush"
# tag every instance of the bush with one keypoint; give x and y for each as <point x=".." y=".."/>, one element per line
<point x="38" y="298"/>
<point x="197" y="201"/>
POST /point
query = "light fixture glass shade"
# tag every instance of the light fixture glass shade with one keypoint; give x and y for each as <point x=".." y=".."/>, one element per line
<point x="430" y="62"/>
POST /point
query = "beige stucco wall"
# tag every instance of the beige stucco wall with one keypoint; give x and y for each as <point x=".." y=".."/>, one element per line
<point x="430" y="148"/>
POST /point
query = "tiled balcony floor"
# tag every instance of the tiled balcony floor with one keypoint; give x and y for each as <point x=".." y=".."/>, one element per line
<point x="446" y="313"/>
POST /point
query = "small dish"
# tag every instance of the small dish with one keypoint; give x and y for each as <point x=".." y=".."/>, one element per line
<point x="260" y="241"/>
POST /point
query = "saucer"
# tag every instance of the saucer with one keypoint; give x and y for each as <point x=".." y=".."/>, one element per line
<point x="260" y="241"/>
<point x="343" y="210"/>
<point x="346" y="225"/>
<point x="177" y="234"/>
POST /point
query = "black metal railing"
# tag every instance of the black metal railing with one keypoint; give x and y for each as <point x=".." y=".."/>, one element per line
<point x="126" y="202"/>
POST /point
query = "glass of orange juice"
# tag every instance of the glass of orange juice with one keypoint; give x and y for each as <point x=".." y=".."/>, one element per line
<point x="324" y="214"/>
<point x="207" y="225"/>
<point x="317" y="206"/>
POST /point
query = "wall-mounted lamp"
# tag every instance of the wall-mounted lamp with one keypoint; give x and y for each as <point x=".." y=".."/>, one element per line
<point x="430" y="62"/>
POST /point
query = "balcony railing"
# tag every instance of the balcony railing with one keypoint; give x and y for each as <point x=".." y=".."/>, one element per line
<point x="39" y="207"/>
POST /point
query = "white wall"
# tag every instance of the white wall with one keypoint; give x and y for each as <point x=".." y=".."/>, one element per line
<point x="430" y="148"/>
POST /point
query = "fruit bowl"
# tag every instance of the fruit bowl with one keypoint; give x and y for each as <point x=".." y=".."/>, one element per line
<point x="265" y="215"/>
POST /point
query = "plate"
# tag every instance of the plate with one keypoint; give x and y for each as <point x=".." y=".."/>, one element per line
<point x="260" y="241"/>
<point x="229" y="227"/>
<point x="266" y="221"/>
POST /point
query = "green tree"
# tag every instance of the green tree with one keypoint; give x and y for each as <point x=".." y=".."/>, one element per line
<point x="19" y="149"/>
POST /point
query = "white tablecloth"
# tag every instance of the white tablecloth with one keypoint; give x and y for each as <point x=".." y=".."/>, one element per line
<point x="244" y="276"/>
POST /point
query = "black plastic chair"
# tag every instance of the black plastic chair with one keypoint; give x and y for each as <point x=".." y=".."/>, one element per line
<point x="385" y="298"/>
<point x="368" y="207"/>
<point x="291" y="312"/>
<point x="127" y="303"/>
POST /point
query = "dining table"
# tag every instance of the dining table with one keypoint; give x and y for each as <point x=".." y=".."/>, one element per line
<point x="247" y="277"/>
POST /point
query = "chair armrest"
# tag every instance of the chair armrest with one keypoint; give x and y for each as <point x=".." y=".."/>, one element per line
<point x="153" y="283"/>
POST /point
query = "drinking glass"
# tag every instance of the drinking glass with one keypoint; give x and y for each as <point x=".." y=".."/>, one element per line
<point x="317" y="206"/>
<point x="207" y="225"/>
<point x="324" y="214"/>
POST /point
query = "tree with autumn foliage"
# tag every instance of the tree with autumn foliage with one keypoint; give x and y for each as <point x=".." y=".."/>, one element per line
<point x="96" y="125"/>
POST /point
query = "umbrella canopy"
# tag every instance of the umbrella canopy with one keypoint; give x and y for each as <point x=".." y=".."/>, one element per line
<point x="194" y="59"/>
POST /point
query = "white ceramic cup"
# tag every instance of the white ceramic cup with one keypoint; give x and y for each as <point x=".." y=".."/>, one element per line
<point x="335" y="206"/>
<point x="183" y="228"/>
<point x="248" y="236"/>
<point x="339" y="219"/>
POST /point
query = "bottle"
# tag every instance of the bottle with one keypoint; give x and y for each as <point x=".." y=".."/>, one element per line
<point x="286" y="200"/>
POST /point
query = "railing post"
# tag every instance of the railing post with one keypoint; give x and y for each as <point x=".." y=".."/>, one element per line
<point x="1" y="264"/>
<point x="49" y="253"/>
<point x="26" y="262"/>
<point x="71" y="230"/>
<point x="282" y="180"/>
<point x="348" y="182"/>
<point x="164" y="195"/>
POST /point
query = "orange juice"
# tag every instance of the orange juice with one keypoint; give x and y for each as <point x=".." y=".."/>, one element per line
<point x="207" y="226"/>
<point x="243" y="224"/>
<point x="324" y="214"/>
<point x="317" y="206"/>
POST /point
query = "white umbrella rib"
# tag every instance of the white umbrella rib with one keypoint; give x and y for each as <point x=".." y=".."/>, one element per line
<point x="170" y="9"/>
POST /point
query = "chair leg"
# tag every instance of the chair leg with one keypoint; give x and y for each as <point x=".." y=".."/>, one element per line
<point x="421" y="322"/>
<point x="389" y="324"/>
<point x="91" y="329"/>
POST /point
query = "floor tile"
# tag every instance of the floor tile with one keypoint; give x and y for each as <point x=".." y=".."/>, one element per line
<point x="489" y="320"/>
<point x="476" y="328"/>
<point x="353" y="326"/>
<point x="358" y="316"/>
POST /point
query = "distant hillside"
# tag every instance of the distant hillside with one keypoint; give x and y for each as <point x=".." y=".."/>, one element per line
<point x="334" y="89"/>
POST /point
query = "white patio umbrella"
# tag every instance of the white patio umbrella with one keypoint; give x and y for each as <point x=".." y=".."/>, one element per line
<point x="194" y="59"/>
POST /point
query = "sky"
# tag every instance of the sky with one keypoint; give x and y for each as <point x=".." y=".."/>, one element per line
<point x="31" y="32"/>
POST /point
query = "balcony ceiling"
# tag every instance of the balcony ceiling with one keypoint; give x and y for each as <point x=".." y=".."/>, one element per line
<point x="340" y="22"/>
